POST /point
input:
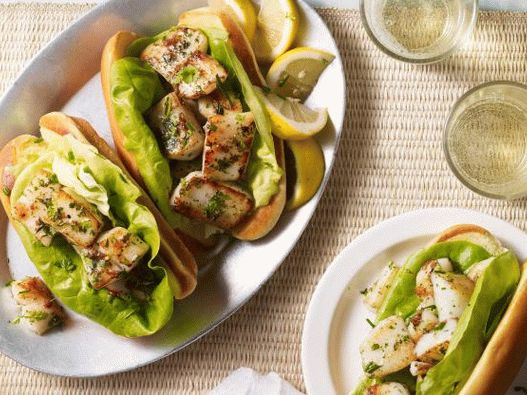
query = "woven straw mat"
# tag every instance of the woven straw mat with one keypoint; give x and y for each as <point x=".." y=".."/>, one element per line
<point x="390" y="161"/>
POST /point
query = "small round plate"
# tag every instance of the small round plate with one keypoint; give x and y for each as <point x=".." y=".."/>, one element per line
<point x="336" y="323"/>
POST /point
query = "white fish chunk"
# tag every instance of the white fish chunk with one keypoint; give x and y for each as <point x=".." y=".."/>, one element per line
<point x="390" y="388"/>
<point x="228" y="140"/>
<point x="168" y="53"/>
<point x="197" y="76"/>
<point x="178" y="130"/>
<point x="209" y="201"/>
<point x="217" y="104"/>
<point x="423" y="321"/>
<point x="388" y="348"/>
<point x="452" y="293"/>
<point x="116" y="251"/>
<point x="433" y="345"/>
<point x="423" y="287"/>
<point x="45" y="201"/>
<point x="37" y="305"/>
<point x="418" y="368"/>
<point x="375" y="294"/>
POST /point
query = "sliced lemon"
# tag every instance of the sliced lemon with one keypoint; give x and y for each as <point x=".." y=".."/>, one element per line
<point x="292" y="120"/>
<point x="296" y="72"/>
<point x="243" y="12"/>
<point x="305" y="171"/>
<point x="276" y="29"/>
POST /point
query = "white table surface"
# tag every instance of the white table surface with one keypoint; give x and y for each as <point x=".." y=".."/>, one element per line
<point x="509" y="5"/>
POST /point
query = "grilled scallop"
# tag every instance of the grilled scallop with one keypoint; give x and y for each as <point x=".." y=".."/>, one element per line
<point x="217" y="104"/>
<point x="433" y="345"/>
<point x="37" y="305"/>
<point x="180" y="134"/>
<point x="45" y="201"/>
<point x="216" y="203"/>
<point x="423" y="287"/>
<point x="228" y="140"/>
<point x="375" y="294"/>
<point x="388" y="348"/>
<point x="197" y="76"/>
<point x="116" y="251"/>
<point x="390" y="388"/>
<point x="452" y="293"/>
<point x="168" y="53"/>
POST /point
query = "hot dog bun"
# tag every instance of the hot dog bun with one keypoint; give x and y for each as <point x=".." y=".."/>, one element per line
<point x="173" y="251"/>
<point x="264" y="218"/>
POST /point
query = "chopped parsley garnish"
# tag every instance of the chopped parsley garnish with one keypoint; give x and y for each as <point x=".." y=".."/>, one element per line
<point x="187" y="74"/>
<point x="190" y="127"/>
<point x="66" y="264"/>
<point x="371" y="367"/>
<point x="216" y="205"/>
<point x="71" y="156"/>
<point x="440" y="326"/>
<point x="53" y="179"/>
<point x="375" y="346"/>
<point x="6" y="191"/>
<point x="8" y="284"/>
<point x="212" y="127"/>
<point x="31" y="316"/>
<point x="370" y="322"/>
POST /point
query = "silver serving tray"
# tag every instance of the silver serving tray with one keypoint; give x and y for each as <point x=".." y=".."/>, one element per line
<point x="64" y="75"/>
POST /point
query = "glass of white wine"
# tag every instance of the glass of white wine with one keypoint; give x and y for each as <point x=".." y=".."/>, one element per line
<point x="485" y="139"/>
<point x="419" y="31"/>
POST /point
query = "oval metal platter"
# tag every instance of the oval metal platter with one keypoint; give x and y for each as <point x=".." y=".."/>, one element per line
<point x="64" y="75"/>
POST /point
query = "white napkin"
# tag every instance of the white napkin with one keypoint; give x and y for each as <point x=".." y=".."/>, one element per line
<point x="245" y="381"/>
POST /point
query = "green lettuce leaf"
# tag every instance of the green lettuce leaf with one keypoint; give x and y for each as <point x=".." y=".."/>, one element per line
<point x="127" y="315"/>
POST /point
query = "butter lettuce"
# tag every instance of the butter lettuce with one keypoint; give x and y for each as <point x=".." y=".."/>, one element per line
<point x="488" y="302"/>
<point x="125" y="315"/>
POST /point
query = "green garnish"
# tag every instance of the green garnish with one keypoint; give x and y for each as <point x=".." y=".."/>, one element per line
<point x="6" y="191"/>
<point x="370" y="322"/>
<point x="371" y="367"/>
<point x="66" y="264"/>
<point x="71" y="156"/>
<point x="187" y="74"/>
<point x="216" y="205"/>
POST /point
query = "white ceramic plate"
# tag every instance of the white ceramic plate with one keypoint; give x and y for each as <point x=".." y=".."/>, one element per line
<point x="65" y="75"/>
<point x="336" y="324"/>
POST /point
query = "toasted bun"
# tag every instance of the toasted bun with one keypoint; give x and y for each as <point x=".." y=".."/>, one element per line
<point x="263" y="219"/>
<point x="172" y="250"/>
<point x="505" y="352"/>
<point x="114" y="50"/>
<point x="473" y="233"/>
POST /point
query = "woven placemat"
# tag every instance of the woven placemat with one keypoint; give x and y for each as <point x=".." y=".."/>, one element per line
<point x="390" y="161"/>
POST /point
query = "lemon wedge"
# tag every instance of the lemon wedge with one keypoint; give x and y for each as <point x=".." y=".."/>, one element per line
<point x="242" y="11"/>
<point x="305" y="171"/>
<point x="276" y="28"/>
<point x="292" y="120"/>
<point x="296" y="72"/>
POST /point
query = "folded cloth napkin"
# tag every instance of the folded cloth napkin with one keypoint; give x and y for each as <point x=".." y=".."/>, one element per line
<point x="245" y="381"/>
